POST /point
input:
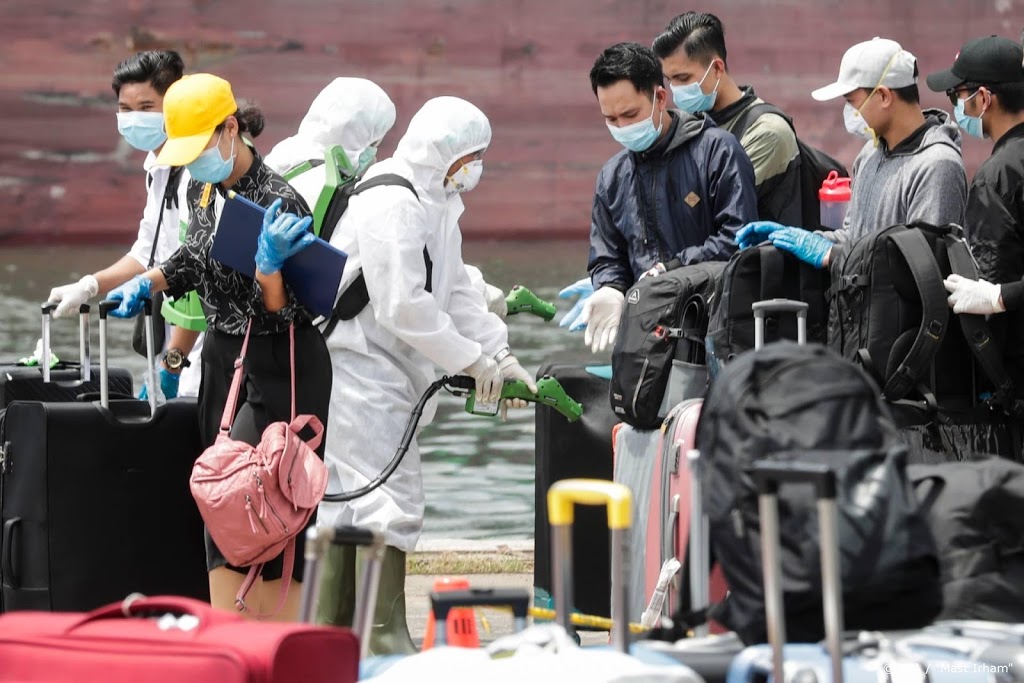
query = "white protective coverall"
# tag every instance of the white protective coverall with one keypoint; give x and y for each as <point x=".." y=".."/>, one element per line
<point x="352" y="112"/>
<point x="385" y="358"/>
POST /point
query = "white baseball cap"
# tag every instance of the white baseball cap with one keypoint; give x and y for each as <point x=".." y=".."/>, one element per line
<point x="874" y="62"/>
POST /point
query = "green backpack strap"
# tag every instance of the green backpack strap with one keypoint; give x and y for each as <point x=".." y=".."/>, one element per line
<point x="300" y="168"/>
<point x="338" y="172"/>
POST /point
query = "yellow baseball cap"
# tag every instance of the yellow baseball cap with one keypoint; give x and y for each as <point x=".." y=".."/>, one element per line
<point x="193" y="108"/>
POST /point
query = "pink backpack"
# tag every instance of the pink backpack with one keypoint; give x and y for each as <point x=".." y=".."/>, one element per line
<point x="256" y="499"/>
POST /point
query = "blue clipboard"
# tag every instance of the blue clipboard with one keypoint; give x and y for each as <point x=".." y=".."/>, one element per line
<point x="314" y="273"/>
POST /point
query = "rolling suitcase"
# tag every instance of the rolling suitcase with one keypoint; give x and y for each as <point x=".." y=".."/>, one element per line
<point x="65" y="382"/>
<point x="168" y="639"/>
<point x="95" y="501"/>
<point x="654" y="464"/>
<point x="567" y="450"/>
<point x="863" y="660"/>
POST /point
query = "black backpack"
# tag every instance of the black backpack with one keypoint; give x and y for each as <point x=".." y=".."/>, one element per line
<point x="664" y="318"/>
<point x="973" y="509"/>
<point x="815" y="165"/>
<point x="805" y="403"/>
<point x="759" y="274"/>
<point x="889" y="311"/>
<point x="355" y="297"/>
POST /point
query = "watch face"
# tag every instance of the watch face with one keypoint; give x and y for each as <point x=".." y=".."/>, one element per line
<point x="173" y="359"/>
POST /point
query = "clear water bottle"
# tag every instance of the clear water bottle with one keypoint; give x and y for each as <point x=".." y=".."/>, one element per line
<point x="834" y="197"/>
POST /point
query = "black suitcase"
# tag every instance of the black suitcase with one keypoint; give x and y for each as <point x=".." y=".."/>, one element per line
<point x="95" y="501"/>
<point x="64" y="382"/>
<point x="568" y="450"/>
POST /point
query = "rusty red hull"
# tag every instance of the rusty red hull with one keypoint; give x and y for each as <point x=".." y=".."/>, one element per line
<point x="66" y="177"/>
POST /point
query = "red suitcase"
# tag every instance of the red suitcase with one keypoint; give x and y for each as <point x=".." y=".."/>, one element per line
<point x="179" y="640"/>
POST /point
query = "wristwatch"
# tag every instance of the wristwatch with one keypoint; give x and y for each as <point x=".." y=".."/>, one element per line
<point x="174" y="359"/>
<point x="501" y="355"/>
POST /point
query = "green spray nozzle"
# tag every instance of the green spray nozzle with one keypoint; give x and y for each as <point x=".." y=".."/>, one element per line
<point x="522" y="300"/>
<point x="549" y="393"/>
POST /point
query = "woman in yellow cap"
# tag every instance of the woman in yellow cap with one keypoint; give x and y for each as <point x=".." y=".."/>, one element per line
<point x="204" y="134"/>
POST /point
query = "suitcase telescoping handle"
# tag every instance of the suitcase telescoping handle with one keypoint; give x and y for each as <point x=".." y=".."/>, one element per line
<point x="563" y="496"/>
<point x="445" y="601"/>
<point x="762" y="308"/>
<point x="47" y="310"/>
<point x="768" y="475"/>
<point x="698" y="553"/>
<point x="318" y="540"/>
<point x="106" y="306"/>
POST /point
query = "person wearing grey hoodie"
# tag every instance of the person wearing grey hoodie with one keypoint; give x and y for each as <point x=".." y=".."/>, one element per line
<point x="910" y="169"/>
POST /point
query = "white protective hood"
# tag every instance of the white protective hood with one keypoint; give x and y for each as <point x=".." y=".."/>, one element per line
<point x="351" y="112"/>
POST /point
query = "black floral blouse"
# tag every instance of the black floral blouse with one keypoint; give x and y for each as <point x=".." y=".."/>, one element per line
<point x="230" y="298"/>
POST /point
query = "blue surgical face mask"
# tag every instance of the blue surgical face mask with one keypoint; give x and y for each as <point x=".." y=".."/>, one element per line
<point x="210" y="166"/>
<point x="971" y="124"/>
<point x="639" y="136"/>
<point x="367" y="159"/>
<point x="143" y="130"/>
<point x="691" y="99"/>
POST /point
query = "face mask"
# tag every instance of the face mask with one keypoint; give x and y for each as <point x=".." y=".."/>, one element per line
<point x="970" y="124"/>
<point x="143" y="130"/>
<point x="691" y="99"/>
<point x="855" y="123"/>
<point x="466" y="178"/>
<point x="367" y="159"/>
<point x="210" y="166"/>
<point x="639" y="136"/>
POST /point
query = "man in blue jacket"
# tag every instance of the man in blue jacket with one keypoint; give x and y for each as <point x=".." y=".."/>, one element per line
<point x="676" y="195"/>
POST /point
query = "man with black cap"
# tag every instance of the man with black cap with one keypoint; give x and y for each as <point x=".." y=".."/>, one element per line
<point x="986" y="86"/>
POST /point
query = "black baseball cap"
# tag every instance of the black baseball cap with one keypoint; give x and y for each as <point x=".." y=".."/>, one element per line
<point x="984" y="61"/>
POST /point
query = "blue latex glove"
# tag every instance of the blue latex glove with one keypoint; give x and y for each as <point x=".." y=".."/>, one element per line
<point x="283" y="235"/>
<point x="583" y="288"/>
<point x="168" y="385"/>
<point x="754" y="233"/>
<point x="803" y="244"/>
<point x="132" y="295"/>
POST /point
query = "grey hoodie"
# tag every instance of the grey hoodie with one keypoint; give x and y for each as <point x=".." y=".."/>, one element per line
<point x="923" y="182"/>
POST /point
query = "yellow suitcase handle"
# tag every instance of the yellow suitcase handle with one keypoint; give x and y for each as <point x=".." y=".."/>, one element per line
<point x="564" y="495"/>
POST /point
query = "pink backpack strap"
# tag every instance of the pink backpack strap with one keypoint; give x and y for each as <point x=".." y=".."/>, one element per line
<point x="291" y="357"/>
<point x="231" y="405"/>
<point x="250" y="579"/>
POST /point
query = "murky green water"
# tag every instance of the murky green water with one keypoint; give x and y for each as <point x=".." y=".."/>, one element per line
<point x="478" y="472"/>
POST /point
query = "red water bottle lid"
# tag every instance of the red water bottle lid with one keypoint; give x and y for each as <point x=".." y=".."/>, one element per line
<point x="834" y="188"/>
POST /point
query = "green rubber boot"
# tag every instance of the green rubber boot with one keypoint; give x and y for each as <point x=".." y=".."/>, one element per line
<point x="390" y="634"/>
<point x="338" y="587"/>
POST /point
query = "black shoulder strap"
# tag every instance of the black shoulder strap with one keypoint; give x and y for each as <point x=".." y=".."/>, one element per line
<point x="355" y="297"/>
<point x="170" y="194"/>
<point x="934" y="312"/>
<point x="385" y="179"/>
<point x="978" y="333"/>
<point x="753" y="113"/>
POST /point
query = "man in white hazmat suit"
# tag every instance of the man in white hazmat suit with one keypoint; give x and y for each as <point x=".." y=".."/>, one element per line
<point x="419" y="318"/>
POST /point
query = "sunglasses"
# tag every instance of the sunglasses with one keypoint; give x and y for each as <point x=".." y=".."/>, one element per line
<point x="954" y="94"/>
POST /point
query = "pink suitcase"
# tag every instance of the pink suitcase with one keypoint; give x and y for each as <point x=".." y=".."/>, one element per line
<point x="654" y="465"/>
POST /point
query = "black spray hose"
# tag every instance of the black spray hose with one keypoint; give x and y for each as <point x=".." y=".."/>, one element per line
<point x="458" y="382"/>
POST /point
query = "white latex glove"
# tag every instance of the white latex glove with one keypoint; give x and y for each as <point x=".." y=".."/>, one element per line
<point x="973" y="296"/>
<point x="495" y="299"/>
<point x="655" y="270"/>
<point x="512" y="370"/>
<point x="601" y="314"/>
<point x="70" y="297"/>
<point x="488" y="378"/>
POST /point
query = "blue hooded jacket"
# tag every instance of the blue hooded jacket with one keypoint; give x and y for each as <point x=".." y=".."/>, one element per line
<point x="680" y="202"/>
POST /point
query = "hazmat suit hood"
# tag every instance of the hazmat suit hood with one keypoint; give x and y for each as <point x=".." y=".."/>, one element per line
<point x="351" y="112"/>
<point x="442" y="131"/>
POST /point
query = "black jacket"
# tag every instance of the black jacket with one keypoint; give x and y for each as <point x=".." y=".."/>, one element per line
<point x="995" y="231"/>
